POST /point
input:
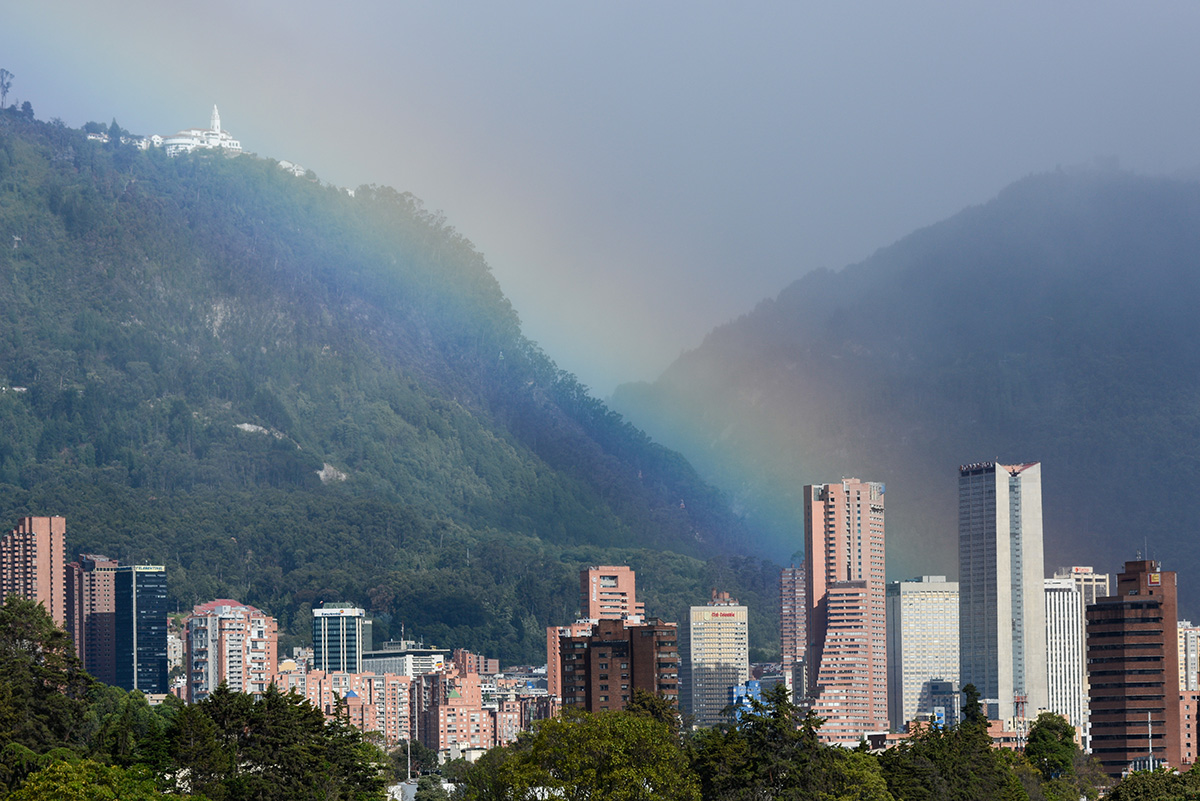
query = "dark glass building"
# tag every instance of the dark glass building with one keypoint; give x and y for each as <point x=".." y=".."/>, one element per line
<point x="140" y="595"/>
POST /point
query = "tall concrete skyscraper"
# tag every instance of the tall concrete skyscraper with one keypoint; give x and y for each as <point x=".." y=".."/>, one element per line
<point x="922" y="643"/>
<point x="1002" y="608"/>
<point x="846" y="662"/>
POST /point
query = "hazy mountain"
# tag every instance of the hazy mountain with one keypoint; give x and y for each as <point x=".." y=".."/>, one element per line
<point x="290" y="393"/>
<point x="1056" y="323"/>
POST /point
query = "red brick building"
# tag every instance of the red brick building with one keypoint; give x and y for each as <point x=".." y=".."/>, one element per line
<point x="602" y="667"/>
<point x="92" y="614"/>
<point x="1133" y="670"/>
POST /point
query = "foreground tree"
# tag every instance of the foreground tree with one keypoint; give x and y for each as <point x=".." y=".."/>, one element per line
<point x="87" y="781"/>
<point x="610" y="756"/>
<point x="956" y="764"/>
<point x="231" y="747"/>
<point x="774" y="752"/>
<point x="43" y="689"/>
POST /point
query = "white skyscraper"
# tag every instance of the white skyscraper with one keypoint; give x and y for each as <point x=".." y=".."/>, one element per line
<point x="922" y="644"/>
<point x="1002" y="611"/>
<point x="1066" y="670"/>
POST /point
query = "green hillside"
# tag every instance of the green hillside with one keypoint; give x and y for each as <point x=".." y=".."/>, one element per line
<point x="1056" y="323"/>
<point x="289" y="393"/>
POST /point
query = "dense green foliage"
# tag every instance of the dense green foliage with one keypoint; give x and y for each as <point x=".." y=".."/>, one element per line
<point x="611" y="756"/>
<point x="1055" y="323"/>
<point x="287" y="393"/>
<point x="773" y="753"/>
<point x="67" y="736"/>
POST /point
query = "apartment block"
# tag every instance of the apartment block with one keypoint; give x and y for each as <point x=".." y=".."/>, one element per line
<point x="608" y="592"/>
<point x="368" y="701"/>
<point x="228" y="641"/>
<point x="92" y="614"/>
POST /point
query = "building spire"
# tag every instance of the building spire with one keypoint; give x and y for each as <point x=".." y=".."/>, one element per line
<point x="216" y="119"/>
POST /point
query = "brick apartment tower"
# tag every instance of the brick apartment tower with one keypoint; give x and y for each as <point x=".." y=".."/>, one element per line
<point x="846" y="610"/>
<point x="33" y="564"/>
<point x="606" y="592"/>
<point x="92" y="614"/>
<point x="602" y="667"/>
<point x="1133" y="670"/>
<point x="792" y="636"/>
<point x="228" y="641"/>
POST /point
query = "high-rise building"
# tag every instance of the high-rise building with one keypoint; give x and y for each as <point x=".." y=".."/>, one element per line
<point x="717" y="659"/>
<point x="846" y="615"/>
<point x="231" y="642"/>
<point x="338" y="638"/>
<point x="33" y="564"/>
<point x="92" y="614"/>
<point x="140" y="627"/>
<point x="1066" y="678"/>
<point x="922" y="645"/>
<point x="793" y="638"/>
<point x="608" y="592"/>
<point x="1002" y="609"/>
<point x="603" y="666"/>
<point x="1091" y="586"/>
<point x="1133" y="669"/>
<point x="1189" y="656"/>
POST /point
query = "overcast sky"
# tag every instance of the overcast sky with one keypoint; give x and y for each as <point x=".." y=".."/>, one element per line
<point x="637" y="173"/>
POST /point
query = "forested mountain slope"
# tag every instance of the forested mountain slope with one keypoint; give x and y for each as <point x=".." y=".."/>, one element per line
<point x="1056" y="323"/>
<point x="288" y="393"/>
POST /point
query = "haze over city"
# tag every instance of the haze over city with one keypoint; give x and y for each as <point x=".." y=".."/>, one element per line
<point x="639" y="174"/>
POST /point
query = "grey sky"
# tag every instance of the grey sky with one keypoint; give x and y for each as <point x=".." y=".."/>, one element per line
<point x="638" y="173"/>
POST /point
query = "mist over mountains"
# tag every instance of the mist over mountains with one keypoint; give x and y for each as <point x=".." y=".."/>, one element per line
<point x="288" y="393"/>
<point x="1056" y="323"/>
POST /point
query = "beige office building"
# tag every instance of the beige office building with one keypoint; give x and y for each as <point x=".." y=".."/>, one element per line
<point x="718" y="658"/>
<point x="922" y="634"/>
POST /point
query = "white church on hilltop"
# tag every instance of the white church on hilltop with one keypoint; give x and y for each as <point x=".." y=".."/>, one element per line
<point x="210" y="138"/>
